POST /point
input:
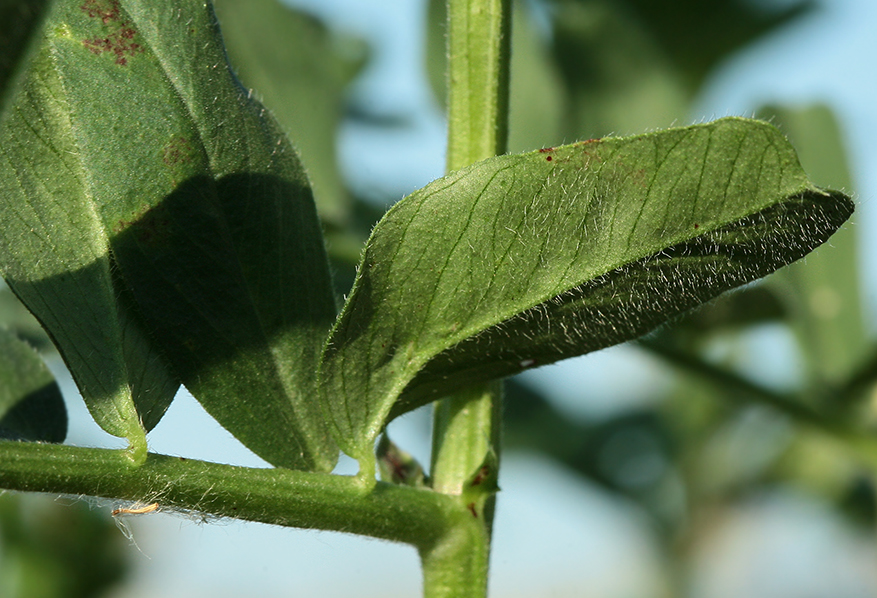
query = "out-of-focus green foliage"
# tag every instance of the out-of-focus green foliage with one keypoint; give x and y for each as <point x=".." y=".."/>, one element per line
<point x="611" y="67"/>
<point x="31" y="405"/>
<point x="19" y="19"/>
<point x="54" y="549"/>
<point x="696" y="35"/>
<point x="300" y="70"/>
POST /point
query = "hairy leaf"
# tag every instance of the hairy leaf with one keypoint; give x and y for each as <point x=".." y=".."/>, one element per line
<point x="31" y="405"/>
<point x="54" y="254"/>
<point x="20" y="21"/>
<point x="519" y="261"/>
<point x="296" y="68"/>
<point x="189" y="203"/>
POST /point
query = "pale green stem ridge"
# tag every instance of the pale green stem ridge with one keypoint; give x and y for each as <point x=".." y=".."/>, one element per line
<point x="470" y="422"/>
<point x="456" y="566"/>
<point x="478" y="80"/>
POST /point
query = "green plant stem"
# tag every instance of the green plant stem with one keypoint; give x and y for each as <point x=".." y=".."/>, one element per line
<point x="464" y="465"/>
<point x="466" y="426"/>
<point x="419" y="517"/>
<point x="470" y="422"/>
<point x="456" y="566"/>
<point x="478" y="80"/>
<point x="861" y="443"/>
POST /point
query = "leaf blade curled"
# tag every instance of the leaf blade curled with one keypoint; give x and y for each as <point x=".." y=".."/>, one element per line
<point x="457" y="278"/>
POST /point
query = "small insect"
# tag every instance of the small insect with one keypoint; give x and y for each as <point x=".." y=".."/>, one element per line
<point x="150" y="508"/>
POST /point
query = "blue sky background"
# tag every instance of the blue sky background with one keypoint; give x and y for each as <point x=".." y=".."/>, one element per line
<point x="556" y="535"/>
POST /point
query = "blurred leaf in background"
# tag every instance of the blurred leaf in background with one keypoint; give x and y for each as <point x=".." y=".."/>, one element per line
<point x="300" y="71"/>
<point x="53" y="549"/>
<point x="19" y="19"/>
<point x="31" y="405"/>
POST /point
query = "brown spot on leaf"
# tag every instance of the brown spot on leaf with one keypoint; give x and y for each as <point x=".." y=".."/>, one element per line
<point x="105" y="10"/>
<point x="120" y="34"/>
<point x="178" y="151"/>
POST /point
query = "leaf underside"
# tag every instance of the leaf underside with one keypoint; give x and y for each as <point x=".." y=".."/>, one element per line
<point x="31" y="405"/>
<point x="523" y="260"/>
<point x="159" y="216"/>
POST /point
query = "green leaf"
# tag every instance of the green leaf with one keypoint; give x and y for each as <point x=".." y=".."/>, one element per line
<point x="20" y="21"/>
<point x="519" y="261"/>
<point x="31" y="405"/>
<point x="199" y="200"/>
<point x="300" y="71"/>
<point x="746" y="307"/>
<point x="54" y="252"/>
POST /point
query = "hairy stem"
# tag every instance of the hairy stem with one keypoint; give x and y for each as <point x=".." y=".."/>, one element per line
<point x="478" y="80"/>
<point x="465" y="464"/>
<point x="278" y="496"/>
<point x="466" y="426"/>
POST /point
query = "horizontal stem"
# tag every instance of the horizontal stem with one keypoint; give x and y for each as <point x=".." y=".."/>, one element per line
<point x="862" y="443"/>
<point x="732" y="381"/>
<point x="419" y="517"/>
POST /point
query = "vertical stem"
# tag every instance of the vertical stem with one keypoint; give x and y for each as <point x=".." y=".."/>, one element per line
<point x="456" y="565"/>
<point x="465" y="464"/>
<point x="470" y="426"/>
<point x="478" y="80"/>
<point x="465" y="455"/>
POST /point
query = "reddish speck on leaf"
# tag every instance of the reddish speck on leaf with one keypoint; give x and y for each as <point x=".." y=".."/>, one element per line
<point x="471" y="507"/>
<point x="545" y="150"/>
<point x="119" y="33"/>
<point x="178" y="151"/>
<point x="105" y="10"/>
<point x="696" y="226"/>
<point x="548" y="158"/>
